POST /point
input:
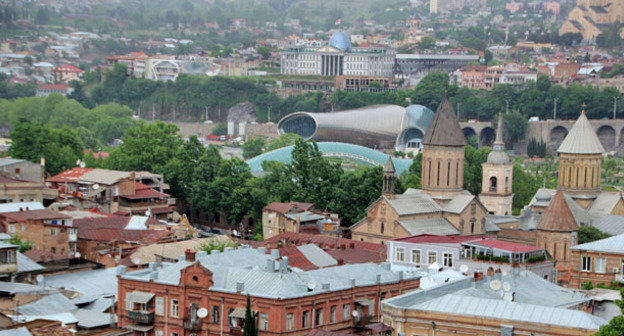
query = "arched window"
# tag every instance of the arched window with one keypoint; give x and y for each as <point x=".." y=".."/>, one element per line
<point x="472" y="225"/>
<point x="381" y="228"/>
<point x="448" y="173"/>
<point x="493" y="183"/>
<point x="457" y="174"/>
<point x="585" y="179"/>
<point x="438" y="175"/>
<point x="506" y="183"/>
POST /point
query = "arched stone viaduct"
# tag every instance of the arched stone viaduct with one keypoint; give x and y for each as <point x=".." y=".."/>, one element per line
<point x="610" y="132"/>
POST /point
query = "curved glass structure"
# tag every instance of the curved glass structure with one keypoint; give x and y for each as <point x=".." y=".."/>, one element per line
<point x="340" y="41"/>
<point x="376" y="126"/>
<point x="299" y="123"/>
<point x="362" y="155"/>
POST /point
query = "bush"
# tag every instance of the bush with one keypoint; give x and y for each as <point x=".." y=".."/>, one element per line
<point x="587" y="285"/>
<point x="492" y="258"/>
<point x="535" y="259"/>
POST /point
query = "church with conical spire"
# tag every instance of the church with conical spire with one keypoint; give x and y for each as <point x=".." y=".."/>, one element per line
<point x="441" y="206"/>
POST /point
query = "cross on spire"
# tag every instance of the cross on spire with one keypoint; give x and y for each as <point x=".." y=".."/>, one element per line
<point x="584" y="106"/>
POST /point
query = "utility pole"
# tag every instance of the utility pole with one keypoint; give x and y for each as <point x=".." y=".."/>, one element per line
<point x="614" y="106"/>
<point x="555" y="117"/>
<point x="507" y="108"/>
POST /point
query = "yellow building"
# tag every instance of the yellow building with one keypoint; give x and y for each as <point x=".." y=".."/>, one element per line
<point x="588" y="15"/>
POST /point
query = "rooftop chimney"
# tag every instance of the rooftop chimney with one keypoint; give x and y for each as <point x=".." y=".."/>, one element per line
<point x="240" y="286"/>
<point x="270" y="265"/>
<point x="152" y="266"/>
<point x="189" y="255"/>
<point x="274" y="253"/>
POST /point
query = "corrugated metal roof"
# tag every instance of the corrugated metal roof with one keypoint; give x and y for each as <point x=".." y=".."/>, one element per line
<point x="433" y="226"/>
<point x="91" y="319"/>
<point x="21" y="331"/>
<point x="610" y="224"/>
<point x="93" y="283"/>
<point x="247" y="266"/>
<point x="459" y="203"/>
<point x="613" y="244"/>
<point x="25" y="264"/>
<point x="605" y="202"/>
<point x="317" y="256"/>
<point x="104" y="176"/>
<point x="582" y="139"/>
<point x="56" y="302"/>
<point x="413" y="202"/>
<point x="13" y="207"/>
<point x="498" y="309"/>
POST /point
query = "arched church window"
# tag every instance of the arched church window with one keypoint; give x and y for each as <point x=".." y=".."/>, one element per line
<point x="493" y="183"/>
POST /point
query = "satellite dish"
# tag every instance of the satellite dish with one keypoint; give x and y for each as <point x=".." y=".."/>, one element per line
<point x="463" y="268"/>
<point x="506" y="286"/>
<point x="40" y="278"/>
<point x="311" y="286"/>
<point x="202" y="312"/>
<point x="96" y="186"/>
<point x="495" y="284"/>
<point x="508" y="296"/>
<point x="355" y="313"/>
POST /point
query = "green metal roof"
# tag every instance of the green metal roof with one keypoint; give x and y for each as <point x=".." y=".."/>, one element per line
<point x="361" y="154"/>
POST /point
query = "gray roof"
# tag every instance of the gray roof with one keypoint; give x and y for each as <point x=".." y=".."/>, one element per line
<point x="21" y="331"/>
<point x="53" y="303"/>
<point x="250" y="270"/>
<point x="444" y="129"/>
<point x="609" y="224"/>
<point x="26" y="289"/>
<point x="317" y="256"/>
<point x="613" y="244"/>
<point x="104" y="176"/>
<point x="459" y="203"/>
<point x="605" y="202"/>
<point x="412" y="202"/>
<point x="92" y="284"/>
<point x="582" y="139"/>
<point x="25" y="264"/>
<point x="14" y="207"/>
<point x="531" y="294"/>
<point x="89" y="319"/>
<point x="9" y="161"/>
<point x="304" y="216"/>
<point x="435" y="226"/>
<point x="498" y="309"/>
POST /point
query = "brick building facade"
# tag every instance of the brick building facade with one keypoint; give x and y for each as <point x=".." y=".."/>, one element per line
<point x="166" y="300"/>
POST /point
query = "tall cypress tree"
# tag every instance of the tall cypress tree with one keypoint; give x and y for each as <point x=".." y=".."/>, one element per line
<point x="249" y="328"/>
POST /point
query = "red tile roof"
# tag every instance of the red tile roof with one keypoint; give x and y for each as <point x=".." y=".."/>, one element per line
<point x="68" y="68"/>
<point x="324" y="242"/>
<point x="93" y="223"/>
<point x="161" y="210"/>
<point x="145" y="193"/>
<point x="55" y="87"/>
<point x="284" y="208"/>
<point x="296" y="258"/>
<point x="356" y="255"/>
<point x="43" y="256"/>
<point x="44" y="214"/>
<point x="506" y="246"/>
<point x="71" y="175"/>
<point x="112" y="235"/>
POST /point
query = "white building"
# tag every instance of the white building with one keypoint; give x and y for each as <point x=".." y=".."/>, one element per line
<point x="338" y="59"/>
